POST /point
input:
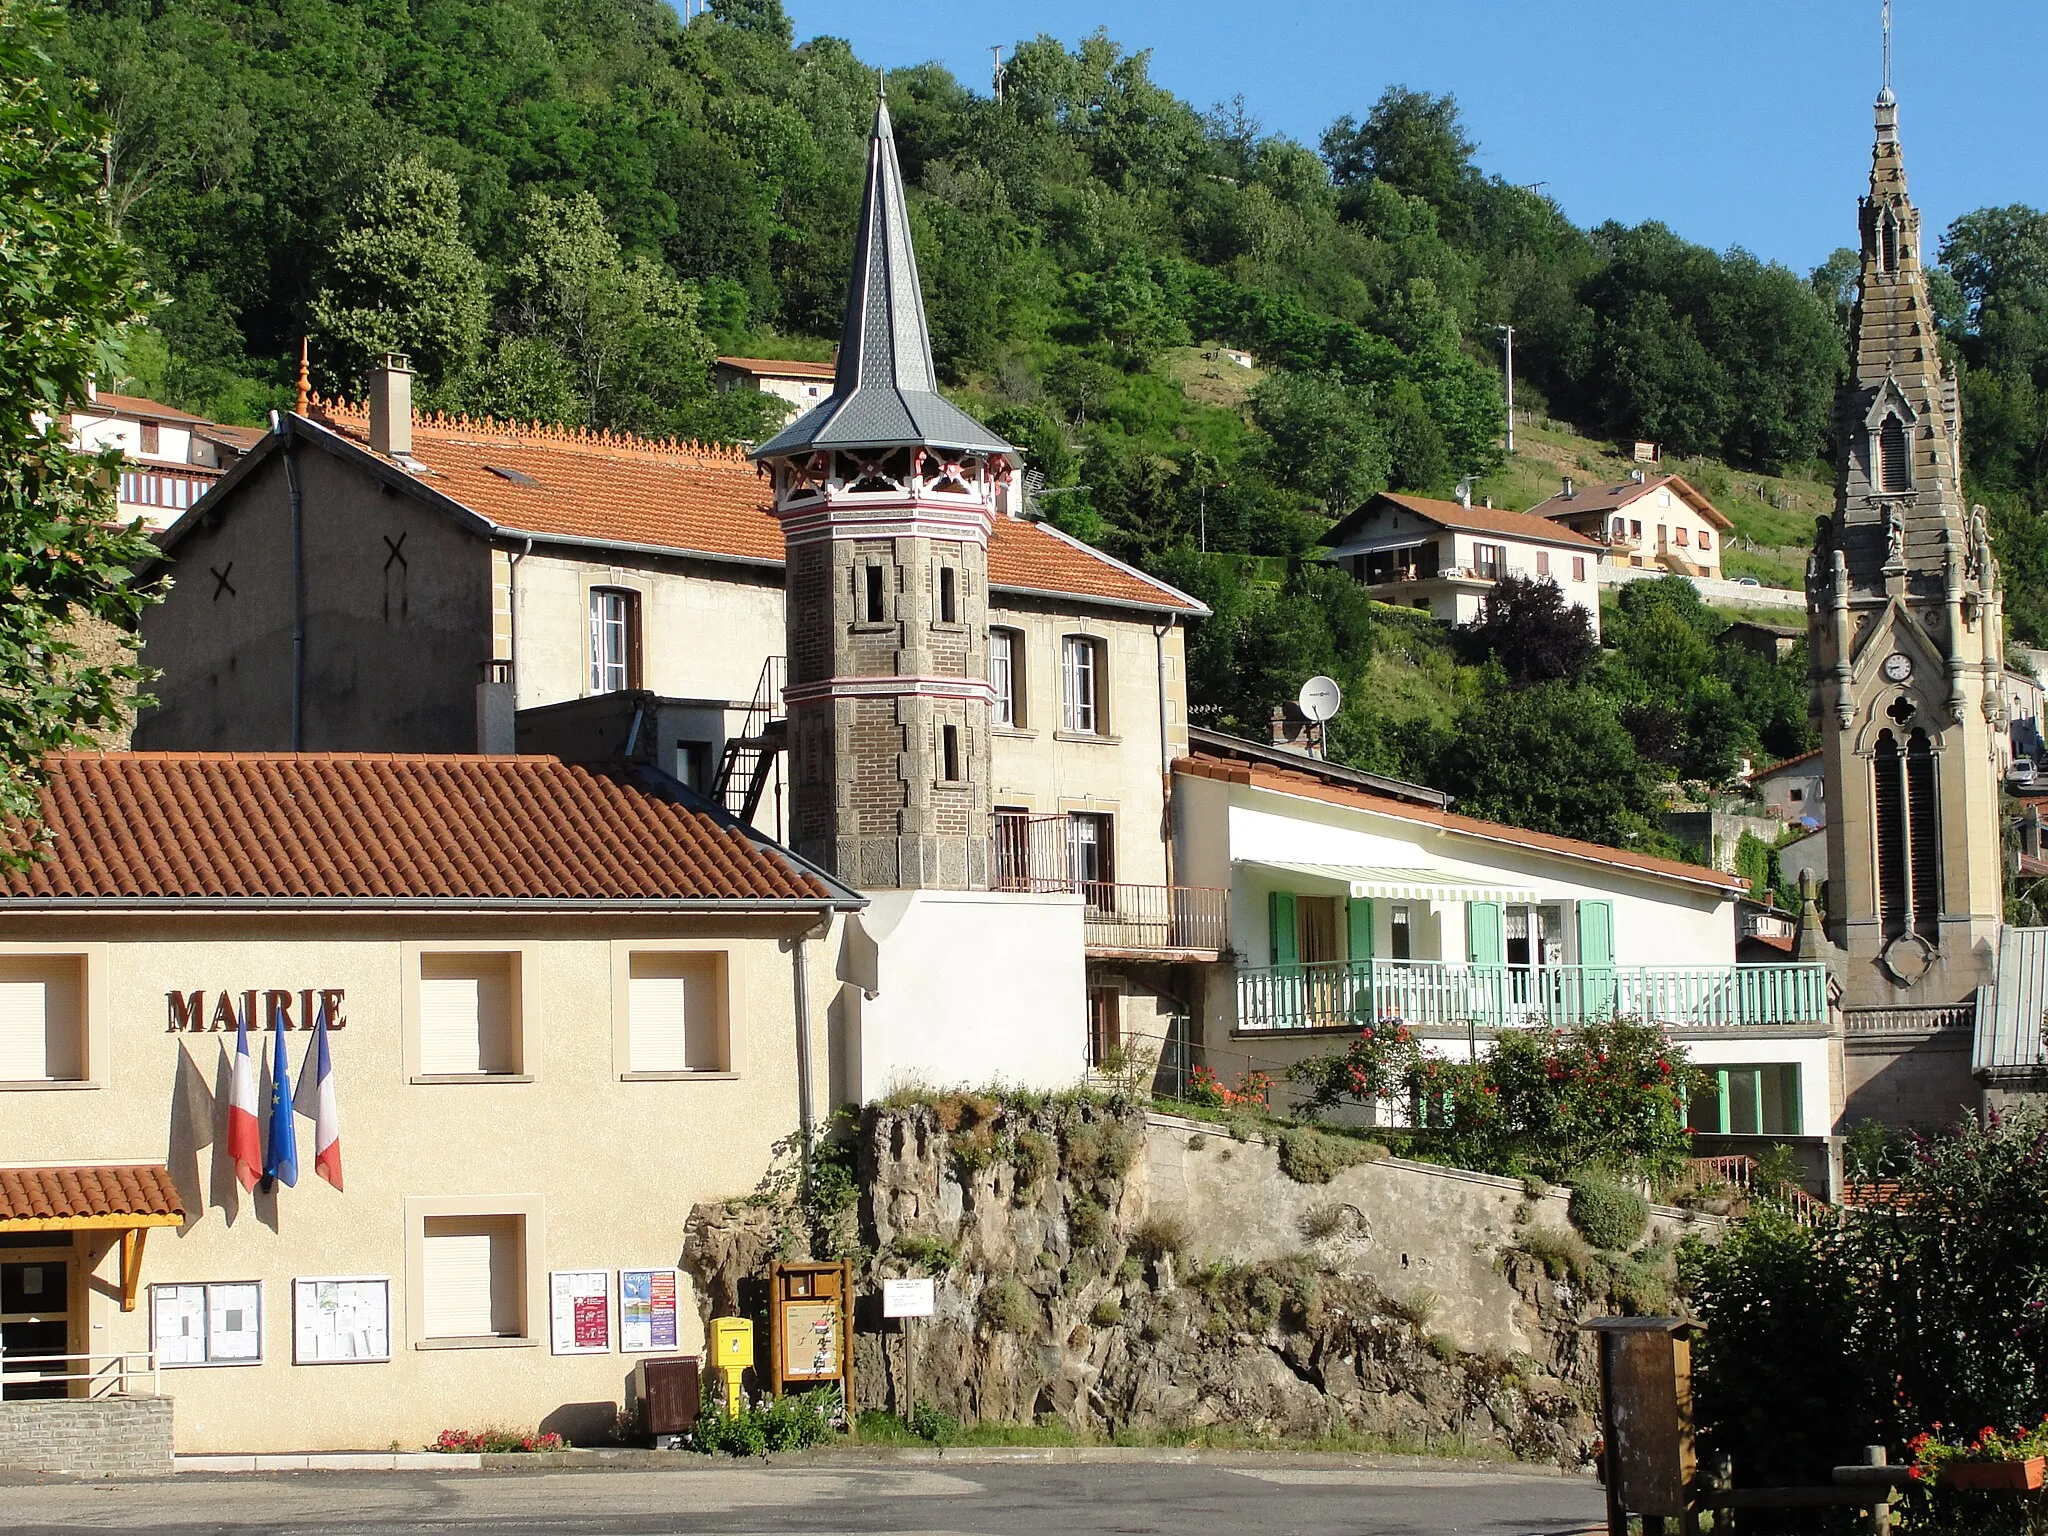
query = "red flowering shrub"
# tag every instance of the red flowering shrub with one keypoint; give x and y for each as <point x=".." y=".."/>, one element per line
<point x="496" y="1441"/>
<point x="1206" y="1088"/>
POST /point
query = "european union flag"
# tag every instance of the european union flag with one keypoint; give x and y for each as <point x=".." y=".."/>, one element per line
<point x="281" y="1157"/>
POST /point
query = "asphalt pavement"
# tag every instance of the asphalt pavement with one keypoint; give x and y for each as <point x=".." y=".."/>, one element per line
<point x="954" y="1495"/>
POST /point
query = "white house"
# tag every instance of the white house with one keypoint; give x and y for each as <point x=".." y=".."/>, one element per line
<point x="1644" y="521"/>
<point x="1355" y="899"/>
<point x="1794" y="788"/>
<point x="172" y="457"/>
<point x="1445" y="556"/>
<point x="799" y="384"/>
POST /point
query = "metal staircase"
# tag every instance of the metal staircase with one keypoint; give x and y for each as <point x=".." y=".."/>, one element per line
<point x="743" y="770"/>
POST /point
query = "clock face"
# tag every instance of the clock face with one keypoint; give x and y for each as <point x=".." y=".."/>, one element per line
<point x="1898" y="667"/>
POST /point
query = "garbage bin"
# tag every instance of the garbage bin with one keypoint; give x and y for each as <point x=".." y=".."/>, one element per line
<point x="671" y="1387"/>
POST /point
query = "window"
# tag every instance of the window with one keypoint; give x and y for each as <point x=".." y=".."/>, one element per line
<point x="220" y="1324"/>
<point x="1706" y="539"/>
<point x="152" y="439"/>
<point x="1747" y="1101"/>
<point x="469" y="1024"/>
<point x="1578" y="567"/>
<point x="1401" y="941"/>
<point x="1635" y="529"/>
<point x="614" y="639"/>
<point x="1002" y="673"/>
<point x="1013" y="848"/>
<point x="1888" y="243"/>
<point x="949" y="754"/>
<point x="675" y="1018"/>
<point x="473" y="1277"/>
<point x="42" y="1019"/>
<point x="1908" y="836"/>
<point x="1798" y="794"/>
<point x="949" y="595"/>
<point x="1489" y="560"/>
<point x="693" y="765"/>
<point x="1105" y="1024"/>
<point x="1316" y="919"/>
<point x="1683" y="534"/>
<point x="1080" y="690"/>
<point x="873" y="609"/>
<point x="1091" y="851"/>
<point x="1542" y="562"/>
<point x="1895" y="468"/>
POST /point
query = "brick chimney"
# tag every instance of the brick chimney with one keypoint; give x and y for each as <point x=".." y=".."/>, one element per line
<point x="391" y="406"/>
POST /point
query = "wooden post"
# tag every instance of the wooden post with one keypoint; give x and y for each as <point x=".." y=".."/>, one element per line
<point x="1881" y="1512"/>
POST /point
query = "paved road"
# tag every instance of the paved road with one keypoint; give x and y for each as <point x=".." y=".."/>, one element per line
<point x="954" y="1497"/>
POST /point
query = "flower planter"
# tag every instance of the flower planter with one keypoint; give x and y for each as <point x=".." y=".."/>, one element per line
<point x="1995" y="1476"/>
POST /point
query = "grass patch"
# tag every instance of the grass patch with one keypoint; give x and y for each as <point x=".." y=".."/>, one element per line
<point x="1312" y="1156"/>
<point x="1087" y="1223"/>
<point x="927" y="1252"/>
<point x="1006" y="1307"/>
<point x="1159" y="1235"/>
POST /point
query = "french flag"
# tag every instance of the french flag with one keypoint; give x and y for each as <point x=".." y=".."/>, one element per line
<point x="327" y="1117"/>
<point x="245" y="1140"/>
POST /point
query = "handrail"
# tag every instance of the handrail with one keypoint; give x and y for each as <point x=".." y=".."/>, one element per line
<point x="1033" y="853"/>
<point x="1444" y="993"/>
<point x="118" y="1376"/>
<point x="1738" y="1172"/>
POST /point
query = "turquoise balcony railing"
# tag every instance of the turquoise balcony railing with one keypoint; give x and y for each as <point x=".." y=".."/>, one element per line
<point x="1433" y="992"/>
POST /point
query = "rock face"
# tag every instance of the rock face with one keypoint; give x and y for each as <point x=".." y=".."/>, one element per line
<point x="1122" y="1273"/>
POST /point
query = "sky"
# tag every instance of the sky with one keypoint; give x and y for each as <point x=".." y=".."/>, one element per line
<point x="1744" y="122"/>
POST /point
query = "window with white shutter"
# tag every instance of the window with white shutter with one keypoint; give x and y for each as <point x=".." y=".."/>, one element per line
<point x="469" y="1015"/>
<point x="472" y="1273"/>
<point x="674" y="1022"/>
<point x="42" y="1019"/>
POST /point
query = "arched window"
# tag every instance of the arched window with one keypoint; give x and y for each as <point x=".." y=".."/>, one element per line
<point x="1894" y="458"/>
<point x="1923" y="830"/>
<point x="1889" y="800"/>
<point x="1908" y="806"/>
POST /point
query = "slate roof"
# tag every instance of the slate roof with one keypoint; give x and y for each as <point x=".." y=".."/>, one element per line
<point x="885" y="390"/>
<point x="1312" y="785"/>
<point x="54" y="1194"/>
<point x="391" y="830"/>
<point x="1452" y="514"/>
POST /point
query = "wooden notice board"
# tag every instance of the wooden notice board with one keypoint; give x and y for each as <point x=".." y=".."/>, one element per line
<point x="810" y="1325"/>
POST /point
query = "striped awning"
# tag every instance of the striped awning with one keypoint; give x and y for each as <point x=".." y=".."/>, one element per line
<point x="1395" y="882"/>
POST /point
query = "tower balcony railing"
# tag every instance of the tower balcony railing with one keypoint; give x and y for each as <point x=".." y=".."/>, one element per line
<point x="1048" y="854"/>
<point x="1346" y="994"/>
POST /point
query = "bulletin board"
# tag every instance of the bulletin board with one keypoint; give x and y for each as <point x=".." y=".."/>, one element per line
<point x="341" y="1320"/>
<point x="580" y="1311"/>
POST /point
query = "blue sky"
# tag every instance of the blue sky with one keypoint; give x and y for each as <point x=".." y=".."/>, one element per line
<point x="1744" y="122"/>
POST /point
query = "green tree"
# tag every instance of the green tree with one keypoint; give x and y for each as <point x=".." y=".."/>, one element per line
<point x="1410" y="140"/>
<point x="400" y="278"/>
<point x="72" y="288"/>
<point x="1533" y="630"/>
<point x="1327" y="439"/>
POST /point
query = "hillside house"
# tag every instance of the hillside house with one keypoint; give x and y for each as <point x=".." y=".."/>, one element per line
<point x="170" y="457"/>
<point x="798" y="384"/>
<point x="1644" y="521"/>
<point x="1794" y="789"/>
<point x="1444" y="557"/>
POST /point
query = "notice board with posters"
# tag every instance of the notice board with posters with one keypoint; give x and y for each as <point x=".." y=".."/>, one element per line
<point x="810" y="1321"/>
<point x="214" y="1324"/>
<point x="580" y="1311"/>
<point x="647" y="1310"/>
<point x="341" y="1319"/>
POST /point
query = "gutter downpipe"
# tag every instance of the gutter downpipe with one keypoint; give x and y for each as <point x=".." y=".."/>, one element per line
<point x="806" y="1117"/>
<point x="291" y="478"/>
<point x="1159" y="634"/>
<point x="512" y="560"/>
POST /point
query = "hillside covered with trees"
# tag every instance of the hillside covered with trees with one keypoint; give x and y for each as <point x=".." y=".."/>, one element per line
<point x="562" y="211"/>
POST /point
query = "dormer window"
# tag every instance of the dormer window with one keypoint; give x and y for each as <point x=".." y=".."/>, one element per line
<point x="1894" y="458"/>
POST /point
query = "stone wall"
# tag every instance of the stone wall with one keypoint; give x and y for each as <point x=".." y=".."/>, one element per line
<point x="1116" y="1272"/>
<point x="91" y="1437"/>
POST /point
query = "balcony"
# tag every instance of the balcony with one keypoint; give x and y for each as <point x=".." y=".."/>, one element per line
<point x="1345" y="994"/>
<point x="1062" y="855"/>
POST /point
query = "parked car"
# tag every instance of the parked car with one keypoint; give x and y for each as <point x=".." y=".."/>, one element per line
<point x="2021" y="774"/>
<point x="1747" y="581"/>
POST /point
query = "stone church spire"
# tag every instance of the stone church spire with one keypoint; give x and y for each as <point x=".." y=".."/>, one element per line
<point x="887" y="495"/>
<point x="1904" y="637"/>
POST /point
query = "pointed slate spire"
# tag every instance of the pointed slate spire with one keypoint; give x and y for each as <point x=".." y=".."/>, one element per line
<point x="886" y="392"/>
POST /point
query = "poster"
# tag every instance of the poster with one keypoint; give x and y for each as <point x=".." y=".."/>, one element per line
<point x="810" y="1338"/>
<point x="909" y="1298"/>
<point x="217" y="1324"/>
<point x="647" y="1310"/>
<point x="580" y="1309"/>
<point x="335" y="1321"/>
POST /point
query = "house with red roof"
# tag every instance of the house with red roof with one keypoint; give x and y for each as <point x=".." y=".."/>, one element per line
<point x="1444" y="557"/>
<point x="170" y="457"/>
<point x="1645" y="522"/>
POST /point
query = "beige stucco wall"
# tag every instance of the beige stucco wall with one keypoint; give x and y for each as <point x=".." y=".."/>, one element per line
<point x="606" y="1169"/>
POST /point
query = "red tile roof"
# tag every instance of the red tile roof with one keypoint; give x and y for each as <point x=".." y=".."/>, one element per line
<point x="1509" y="525"/>
<point x="1790" y="762"/>
<point x="1612" y="498"/>
<point x="105" y="404"/>
<point x="385" y="829"/>
<point x="694" y="499"/>
<point x="781" y="367"/>
<point x="1310" y="785"/>
<point x="61" y="1194"/>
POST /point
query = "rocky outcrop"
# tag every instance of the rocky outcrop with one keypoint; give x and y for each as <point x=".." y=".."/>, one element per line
<point x="1117" y="1273"/>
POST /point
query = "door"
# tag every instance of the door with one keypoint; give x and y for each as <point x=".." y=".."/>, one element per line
<point x="35" y="1319"/>
<point x="1596" y="957"/>
<point x="1317" y="946"/>
<point x="1358" y="918"/>
<point x="1486" y="948"/>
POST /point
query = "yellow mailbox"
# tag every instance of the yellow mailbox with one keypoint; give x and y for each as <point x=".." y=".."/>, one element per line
<point x="732" y="1352"/>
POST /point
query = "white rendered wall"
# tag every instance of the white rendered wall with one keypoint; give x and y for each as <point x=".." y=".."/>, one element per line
<point x="1809" y="1053"/>
<point x="963" y="989"/>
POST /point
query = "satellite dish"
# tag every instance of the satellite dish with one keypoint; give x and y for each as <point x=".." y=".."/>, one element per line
<point x="1319" y="698"/>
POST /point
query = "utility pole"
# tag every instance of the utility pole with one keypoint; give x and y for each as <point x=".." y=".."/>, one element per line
<point x="997" y="50"/>
<point x="1509" y="368"/>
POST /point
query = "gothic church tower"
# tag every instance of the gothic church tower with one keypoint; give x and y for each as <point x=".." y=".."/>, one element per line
<point x="887" y="494"/>
<point x="1904" y="635"/>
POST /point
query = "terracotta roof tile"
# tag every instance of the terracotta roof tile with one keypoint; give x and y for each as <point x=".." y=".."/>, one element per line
<point x="1611" y="498"/>
<point x="378" y="827"/>
<point x="1791" y="762"/>
<point x="782" y="367"/>
<point x="695" y="499"/>
<point x="1452" y="514"/>
<point x="50" y="1194"/>
<point x="1311" y="786"/>
<point x="134" y="405"/>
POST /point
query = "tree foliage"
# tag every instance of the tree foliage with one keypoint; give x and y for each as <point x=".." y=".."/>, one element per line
<point x="71" y="289"/>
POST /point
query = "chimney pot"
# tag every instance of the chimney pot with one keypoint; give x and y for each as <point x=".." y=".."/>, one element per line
<point x="1568" y="493"/>
<point x="391" y="407"/>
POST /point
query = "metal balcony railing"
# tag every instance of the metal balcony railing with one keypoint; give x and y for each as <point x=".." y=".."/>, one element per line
<point x="1049" y="854"/>
<point x="1431" y="992"/>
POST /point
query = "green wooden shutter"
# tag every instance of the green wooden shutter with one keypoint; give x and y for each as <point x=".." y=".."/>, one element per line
<point x="1358" y="913"/>
<point x="1596" y="957"/>
<point x="1286" y="929"/>
<point x="1485" y="940"/>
